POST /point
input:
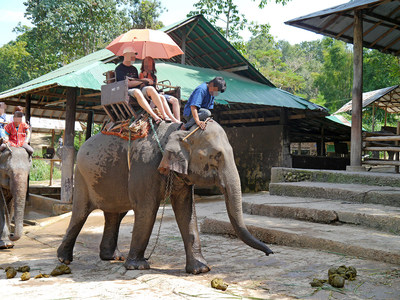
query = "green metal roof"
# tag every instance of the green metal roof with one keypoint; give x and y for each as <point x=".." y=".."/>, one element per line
<point x="88" y="72"/>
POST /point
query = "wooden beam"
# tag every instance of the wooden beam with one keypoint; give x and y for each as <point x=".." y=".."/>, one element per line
<point x="236" y="69"/>
<point x="381" y="162"/>
<point x="261" y="120"/>
<point x="392" y="149"/>
<point x="382" y="138"/>
<point x="68" y="150"/>
<point x="356" y="116"/>
<point x="28" y="109"/>
<point x="248" y="111"/>
<point x="89" y="124"/>
<point x="383" y="35"/>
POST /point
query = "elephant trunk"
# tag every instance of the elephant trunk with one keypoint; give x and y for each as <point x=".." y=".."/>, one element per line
<point x="18" y="185"/>
<point x="230" y="185"/>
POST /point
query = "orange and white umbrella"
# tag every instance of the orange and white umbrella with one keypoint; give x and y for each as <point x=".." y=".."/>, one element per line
<point x="146" y="42"/>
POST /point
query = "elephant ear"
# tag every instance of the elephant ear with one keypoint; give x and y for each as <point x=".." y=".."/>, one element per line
<point x="176" y="155"/>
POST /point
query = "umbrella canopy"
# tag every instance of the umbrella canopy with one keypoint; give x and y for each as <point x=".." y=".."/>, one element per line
<point x="146" y="42"/>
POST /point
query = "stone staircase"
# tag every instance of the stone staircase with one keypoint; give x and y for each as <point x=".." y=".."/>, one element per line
<point x="351" y="213"/>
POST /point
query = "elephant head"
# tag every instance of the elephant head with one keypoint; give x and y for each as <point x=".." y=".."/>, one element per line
<point x="14" y="168"/>
<point x="206" y="158"/>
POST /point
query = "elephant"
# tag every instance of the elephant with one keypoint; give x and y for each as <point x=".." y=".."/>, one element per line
<point x="103" y="180"/>
<point x="15" y="165"/>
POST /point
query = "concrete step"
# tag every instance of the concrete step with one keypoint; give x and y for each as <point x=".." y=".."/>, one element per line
<point x="341" y="239"/>
<point x="367" y="178"/>
<point x="384" y="195"/>
<point x="380" y="217"/>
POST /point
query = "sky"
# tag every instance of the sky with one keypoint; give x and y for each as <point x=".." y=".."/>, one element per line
<point x="12" y="12"/>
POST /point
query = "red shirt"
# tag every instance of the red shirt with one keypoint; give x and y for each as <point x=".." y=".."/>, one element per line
<point x="15" y="138"/>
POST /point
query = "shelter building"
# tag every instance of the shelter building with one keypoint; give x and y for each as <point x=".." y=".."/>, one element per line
<point x="261" y="120"/>
<point x="365" y="23"/>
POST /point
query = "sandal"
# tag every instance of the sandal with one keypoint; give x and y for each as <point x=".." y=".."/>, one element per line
<point x="158" y="121"/>
<point x="168" y="120"/>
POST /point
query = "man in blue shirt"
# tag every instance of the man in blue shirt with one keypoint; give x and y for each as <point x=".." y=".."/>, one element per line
<point x="197" y="109"/>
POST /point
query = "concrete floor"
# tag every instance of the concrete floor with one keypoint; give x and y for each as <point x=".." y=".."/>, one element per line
<point x="249" y="273"/>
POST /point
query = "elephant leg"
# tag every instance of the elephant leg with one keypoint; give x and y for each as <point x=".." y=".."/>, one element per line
<point x="80" y="211"/>
<point x="5" y="242"/>
<point x="143" y="226"/>
<point x="108" y="246"/>
<point x="185" y="214"/>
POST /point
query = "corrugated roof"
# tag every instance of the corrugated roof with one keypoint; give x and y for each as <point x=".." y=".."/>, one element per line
<point x="381" y="25"/>
<point x="89" y="75"/>
<point x="206" y="47"/>
<point x="387" y="98"/>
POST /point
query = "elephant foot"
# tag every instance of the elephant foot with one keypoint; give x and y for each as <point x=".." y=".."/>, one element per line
<point x="6" y="244"/>
<point x="136" y="264"/>
<point x="117" y="255"/>
<point x="64" y="257"/>
<point x="196" y="267"/>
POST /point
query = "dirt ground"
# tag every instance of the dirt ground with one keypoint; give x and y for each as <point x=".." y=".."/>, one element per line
<point x="248" y="272"/>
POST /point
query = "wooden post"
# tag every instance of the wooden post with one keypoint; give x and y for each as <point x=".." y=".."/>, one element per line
<point x="68" y="150"/>
<point x="323" y="151"/>
<point x="183" y="57"/>
<point x="28" y="109"/>
<point x="373" y="118"/>
<point x="51" y="171"/>
<point x="53" y="135"/>
<point x="89" y="125"/>
<point x="356" y="118"/>
<point x="397" y="155"/>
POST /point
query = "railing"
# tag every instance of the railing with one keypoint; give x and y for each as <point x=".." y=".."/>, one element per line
<point x="383" y="142"/>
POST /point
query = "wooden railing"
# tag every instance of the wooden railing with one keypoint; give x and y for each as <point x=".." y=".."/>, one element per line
<point x="383" y="142"/>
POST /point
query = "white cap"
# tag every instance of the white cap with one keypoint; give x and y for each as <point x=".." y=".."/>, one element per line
<point x="129" y="50"/>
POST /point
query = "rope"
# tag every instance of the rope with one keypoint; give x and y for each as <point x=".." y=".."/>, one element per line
<point x="129" y="143"/>
<point x="168" y="190"/>
<point x="156" y="136"/>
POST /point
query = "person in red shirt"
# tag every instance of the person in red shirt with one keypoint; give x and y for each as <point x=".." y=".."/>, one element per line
<point x="18" y="134"/>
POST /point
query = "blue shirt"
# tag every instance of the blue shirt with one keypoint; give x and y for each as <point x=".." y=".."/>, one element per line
<point x="2" y="119"/>
<point x="201" y="98"/>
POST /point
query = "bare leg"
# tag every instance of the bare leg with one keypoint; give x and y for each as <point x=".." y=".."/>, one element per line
<point x="108" y="246"/>
<point x="175" y="108"/>
<point x="155" y="97"/>
<point x="144" y="104"/>
<point x="185" y="215"/>
<point x="167" y="110"/>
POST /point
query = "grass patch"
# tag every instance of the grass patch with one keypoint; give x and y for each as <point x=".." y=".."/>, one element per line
<point x="40" y="169"/>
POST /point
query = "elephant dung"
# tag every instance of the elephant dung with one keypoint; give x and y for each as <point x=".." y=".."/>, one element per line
<point x="40" y="275"/>
<point x="60" y="270"/>
<point x="336" y="281"/>
<point x="25" y="276"/>
<point x="10" y="272"/>
<point x="24" y="269"/>
<point x="218" y="283"/>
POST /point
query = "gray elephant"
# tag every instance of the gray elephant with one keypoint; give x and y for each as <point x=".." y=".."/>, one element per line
<point x="14" y="172"/>
<point x="104" y="181"/>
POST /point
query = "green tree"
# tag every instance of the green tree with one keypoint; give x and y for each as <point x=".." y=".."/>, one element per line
<point x="12" y="65"/>
<point x="227" y="12"/>
<point x="336" y="78"/>
<point x="74" y="28"/>
<point x="145" y="13"/>
<point x="265" y="54"/>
